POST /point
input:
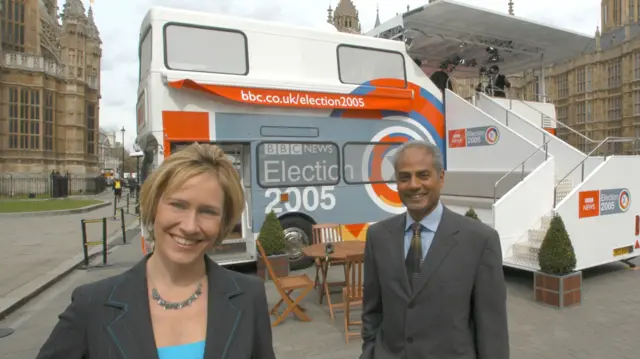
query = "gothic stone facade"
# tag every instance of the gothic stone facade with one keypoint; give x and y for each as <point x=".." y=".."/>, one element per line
<point x="49" y="88"/>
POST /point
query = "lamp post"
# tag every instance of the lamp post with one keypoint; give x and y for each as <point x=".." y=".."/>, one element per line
<point x="122" y="130"/>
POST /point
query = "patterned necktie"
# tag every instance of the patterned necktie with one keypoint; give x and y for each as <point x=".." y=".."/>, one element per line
<point x="414" y="256"/>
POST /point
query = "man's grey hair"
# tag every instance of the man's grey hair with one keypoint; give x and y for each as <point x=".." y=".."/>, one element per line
<point x="430" y="148"/>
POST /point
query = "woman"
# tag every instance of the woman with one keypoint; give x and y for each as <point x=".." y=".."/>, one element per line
<point x="176" y="303"/>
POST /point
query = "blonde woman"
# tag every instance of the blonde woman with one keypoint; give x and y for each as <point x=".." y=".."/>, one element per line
<point x="176" y="303"/>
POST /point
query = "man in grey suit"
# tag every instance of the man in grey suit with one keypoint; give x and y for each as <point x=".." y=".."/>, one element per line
<point x="433" y="280"/>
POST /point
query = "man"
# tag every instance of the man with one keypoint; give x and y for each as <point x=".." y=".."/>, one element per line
<point x="498" y="82"/>
<point x="440" y="78"/>
<point x="117" y="188"/>
<point x="438" y="293"/>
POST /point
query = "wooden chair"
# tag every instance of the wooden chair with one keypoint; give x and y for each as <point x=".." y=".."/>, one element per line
<point x="286" y="286"/>
<point x="327" y="233"/>
<point x="352" y="293"/>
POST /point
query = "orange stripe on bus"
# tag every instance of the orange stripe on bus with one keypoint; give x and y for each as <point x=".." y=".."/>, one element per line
<point x="144" y="247"/>
<point x="184" y="126"/>
<point x="393" y="99"/>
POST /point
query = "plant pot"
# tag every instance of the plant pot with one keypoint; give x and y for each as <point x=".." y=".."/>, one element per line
<point x="558" y="291"/>
<point x="279" y="264"/>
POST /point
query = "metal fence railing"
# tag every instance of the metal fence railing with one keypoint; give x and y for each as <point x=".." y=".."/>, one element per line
<point x="51" y="186"/>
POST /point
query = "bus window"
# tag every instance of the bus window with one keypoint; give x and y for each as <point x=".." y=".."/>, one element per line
<point x="357" y="65"/>
<point x="202" y="49"/>
<point x="366" y="162"/>
<point x="144" y="55"/>
<point x="299" y="164"/>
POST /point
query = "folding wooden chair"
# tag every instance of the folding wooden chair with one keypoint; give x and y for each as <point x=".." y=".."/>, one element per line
<point x="327" y="233"/>
<point x="352" y="293"/>
<point x="286" y="286"/>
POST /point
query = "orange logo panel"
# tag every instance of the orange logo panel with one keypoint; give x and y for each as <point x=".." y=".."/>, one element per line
<point x="589" y="202"/>
<point x="457" y="138"/>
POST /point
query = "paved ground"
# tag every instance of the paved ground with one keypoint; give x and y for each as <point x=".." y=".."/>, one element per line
<point x="34" y="246"/>
<point x="605" y="326"/>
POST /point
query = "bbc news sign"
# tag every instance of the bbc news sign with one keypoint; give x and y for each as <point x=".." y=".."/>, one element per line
<point x="298" y="164"/>
<point x="603" y="202"/>
<point x="474" y="136"/>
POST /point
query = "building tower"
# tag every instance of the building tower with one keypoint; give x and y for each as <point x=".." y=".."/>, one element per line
<point x="346" y="17"/>
<point x="74" y="21"/>
<point x="511" y="8"/>
<point x="81" y="53"/>
<point x="615" y="14"/>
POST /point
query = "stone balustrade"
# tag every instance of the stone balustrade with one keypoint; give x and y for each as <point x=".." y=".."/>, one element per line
<point x="40" y="64"/>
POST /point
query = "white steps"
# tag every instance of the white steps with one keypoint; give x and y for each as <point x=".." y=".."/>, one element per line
<point x="525" y="253"/>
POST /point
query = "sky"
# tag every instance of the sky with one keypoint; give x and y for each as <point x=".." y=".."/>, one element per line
<point x="119" y="25"/>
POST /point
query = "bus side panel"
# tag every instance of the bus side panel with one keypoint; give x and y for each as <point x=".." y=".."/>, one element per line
<point x="352" y="200"/>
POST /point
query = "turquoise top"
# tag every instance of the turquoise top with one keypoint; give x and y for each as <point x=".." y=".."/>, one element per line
<point x="184" y="351"/>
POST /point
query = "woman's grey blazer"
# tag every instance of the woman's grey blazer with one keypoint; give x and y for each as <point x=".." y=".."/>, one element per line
<point x="110" y="319"/>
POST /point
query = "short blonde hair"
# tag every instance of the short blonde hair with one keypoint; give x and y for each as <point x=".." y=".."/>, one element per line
<point x="178" y="168"/>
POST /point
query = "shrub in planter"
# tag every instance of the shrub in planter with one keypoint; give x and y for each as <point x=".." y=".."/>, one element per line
<point x="472" y="214"/>
<point x="275" y="246"/>
<point x="557" y="284"/>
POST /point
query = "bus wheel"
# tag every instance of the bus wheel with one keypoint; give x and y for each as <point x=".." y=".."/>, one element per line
<point x="297" y="232"/>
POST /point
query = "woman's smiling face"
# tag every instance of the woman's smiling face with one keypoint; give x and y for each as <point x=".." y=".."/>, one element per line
<point x="188" y="220"/>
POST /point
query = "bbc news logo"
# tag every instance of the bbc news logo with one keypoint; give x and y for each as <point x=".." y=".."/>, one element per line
<point x="603" y="202"/>
<point x="248" y="96"/>
<point x="283" y="149"/>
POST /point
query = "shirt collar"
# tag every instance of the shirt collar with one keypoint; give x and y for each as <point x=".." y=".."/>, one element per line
<point x="430" y="222"/>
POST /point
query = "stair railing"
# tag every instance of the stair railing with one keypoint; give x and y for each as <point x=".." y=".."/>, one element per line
<point x="581" y="164"/>
<point x="556" y="122"/>
<point x="538" y="97"/>
<point x="521" y="165"/>
<point x="472" y="91"/>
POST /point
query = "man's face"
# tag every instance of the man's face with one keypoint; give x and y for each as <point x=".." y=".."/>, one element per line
<point x="419" y="183"/>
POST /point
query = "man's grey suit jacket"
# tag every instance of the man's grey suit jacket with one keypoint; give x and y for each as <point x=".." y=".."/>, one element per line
<point x="458" y="308"/>
<point x="110" y="319"/>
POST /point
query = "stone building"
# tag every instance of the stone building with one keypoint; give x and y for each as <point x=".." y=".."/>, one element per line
<point x="108" y="159"/>
<point x="345" y="17"/>
<point x="49" y="88"/>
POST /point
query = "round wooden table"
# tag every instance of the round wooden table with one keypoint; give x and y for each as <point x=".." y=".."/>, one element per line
<point x="340" y="249"/>
<point x="340" y="252"/>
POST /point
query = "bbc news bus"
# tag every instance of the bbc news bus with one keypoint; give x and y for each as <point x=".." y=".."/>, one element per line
<point x="310" y="118"/>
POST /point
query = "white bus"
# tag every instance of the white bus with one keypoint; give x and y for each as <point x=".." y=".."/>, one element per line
<point x="309" y="117"/>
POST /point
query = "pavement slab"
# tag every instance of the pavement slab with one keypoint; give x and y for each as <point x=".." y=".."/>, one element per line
<point x="37" y="247"/>
<point x="604" y="326"/>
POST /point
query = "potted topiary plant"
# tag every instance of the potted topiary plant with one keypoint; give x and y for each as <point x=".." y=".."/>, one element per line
<point x="557" y="284"/>
<point x="472" y="214"/>
<point x="272" y="239"/>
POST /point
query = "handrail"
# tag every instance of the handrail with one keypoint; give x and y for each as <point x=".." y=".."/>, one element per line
<point x="453" y="80"/>
<point x="508" y="111"/>
<point x="457" y="82"/>
<point x="542" y="116"/>
<point x="611" y="139"/>
<point x="546" y="156"/>
<point x="537" y="96"/>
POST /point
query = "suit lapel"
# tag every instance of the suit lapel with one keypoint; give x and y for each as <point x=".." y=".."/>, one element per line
<point x="396" y="250"/>
<point x="223" y="315"/>
<point x="131" y="331"/>
<point x="443" y="242"/>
